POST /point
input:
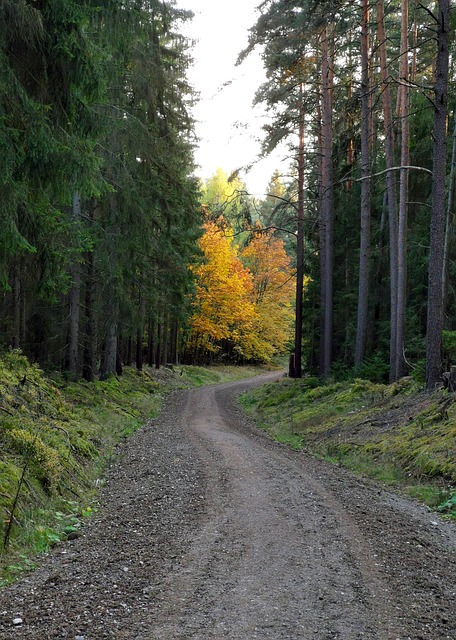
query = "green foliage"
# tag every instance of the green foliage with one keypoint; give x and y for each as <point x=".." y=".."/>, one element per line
<point x="449" y="344"/>
<point x="226" y="197"/>
<point x="61" y="433"/>
<point x="94" y="101"/>
<point x="374" y="368"/>
<point x="448" y="506"/>
<point x="51" y="78"/>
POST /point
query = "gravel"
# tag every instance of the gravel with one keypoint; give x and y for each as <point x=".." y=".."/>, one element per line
<point x="207" y="529"/>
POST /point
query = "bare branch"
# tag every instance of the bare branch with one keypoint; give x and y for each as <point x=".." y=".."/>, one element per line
<point x="433" y="16"/>
<point x="380" y="173"/>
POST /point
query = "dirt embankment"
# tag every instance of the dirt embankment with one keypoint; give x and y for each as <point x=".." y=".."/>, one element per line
<point x="208" y="529"/>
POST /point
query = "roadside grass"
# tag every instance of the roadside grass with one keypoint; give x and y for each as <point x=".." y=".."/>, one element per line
<point x="396" y="433"/>
<point x="197" y="376"/>
<point x="59" y="436"/>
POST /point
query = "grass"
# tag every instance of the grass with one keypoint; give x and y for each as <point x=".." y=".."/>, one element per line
<point x="393" y="433"/>
<point x="198" y="376"/>
<point x="61" y="435"/>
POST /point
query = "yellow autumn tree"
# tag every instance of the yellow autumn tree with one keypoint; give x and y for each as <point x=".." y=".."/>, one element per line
<point x="224" y="310"/>
<point x="273" y="291"/>
<point x="243" y="304"/>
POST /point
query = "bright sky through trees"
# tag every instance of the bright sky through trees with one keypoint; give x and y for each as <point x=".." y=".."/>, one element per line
<point x="227" y="124"/>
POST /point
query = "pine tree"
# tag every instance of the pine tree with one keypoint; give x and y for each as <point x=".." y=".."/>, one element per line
<point x="435" y="290"/>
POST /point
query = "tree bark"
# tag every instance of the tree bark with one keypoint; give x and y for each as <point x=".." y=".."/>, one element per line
<point x="364" y="251"/>
<point x="449" y="219"/>
<point x="75" y="300"/>
<point x="139" y="354"/>
<point x="165" y="339"/>
<point x="140" y="332"/>
<point x="111" y="292"/>
<point x="158" y="346"/>
<point x="322" y="243"/>
<point x="399" y="368"/>
<point x="150" y="343"/>
<point x="90" y="339"/>
<point x="390" y="181"/>
<point x="297" y="364"/>
<point x="435" y="298"/>
<point x="327" y="214"/>
<point x="17" y="296"/>
<point x="110" y="350"/>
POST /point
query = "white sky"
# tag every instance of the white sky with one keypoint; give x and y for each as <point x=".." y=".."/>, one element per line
<point x="227" y="124"/>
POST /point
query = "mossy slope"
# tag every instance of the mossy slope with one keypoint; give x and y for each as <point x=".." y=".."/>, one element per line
<point x="59" y="435"/>
<point x="394" y="432"/>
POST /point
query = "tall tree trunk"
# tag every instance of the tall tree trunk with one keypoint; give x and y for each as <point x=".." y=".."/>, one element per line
<point x="379" y="272"/>
<point x="174" y="346"/>
<point x="435" y="300"/>
<point x="139" y="353"/>
<point x="90" y="339"/>
<point x="158" y="347"/>
<point x="327" y="214"/>
<point x="165" y="339"/>
<point x="364" y="251"/>
<point x="296" y="369"/>
<point x="390" y="181"/>
<point x="75" y="299"/>
<point x="140" y="333"/>
<point x="128" y="350"/>
<point x="110" y="349"/>
<point x="449" y="219"/>
<point x="403" y="198"/>
<point x="322" y="242"/>
<point x="150" y="343"/>
<point x="16" y="299"/>
<point x="111" y="356"/>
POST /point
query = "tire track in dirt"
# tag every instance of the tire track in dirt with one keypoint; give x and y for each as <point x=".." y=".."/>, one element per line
<point x="276" y="557"/>
<point x="209" y="530"/>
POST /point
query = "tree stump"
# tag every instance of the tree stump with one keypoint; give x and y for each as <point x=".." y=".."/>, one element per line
<point x="291" y="366"/>
<point x="449" y="379"/>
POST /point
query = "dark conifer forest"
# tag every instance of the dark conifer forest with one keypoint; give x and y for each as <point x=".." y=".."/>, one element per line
<point x="102" y="212"/>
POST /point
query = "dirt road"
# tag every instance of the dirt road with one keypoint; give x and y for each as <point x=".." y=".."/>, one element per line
<point x="209" y="530"/>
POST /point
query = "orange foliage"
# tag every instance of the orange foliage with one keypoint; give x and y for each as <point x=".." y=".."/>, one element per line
<point x="224" y="309"/>
<point x="274" y="289"/>
<point x="242" y="299"/>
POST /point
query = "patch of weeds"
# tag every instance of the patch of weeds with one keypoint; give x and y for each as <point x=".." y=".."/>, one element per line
<point x="448" y="506"/>
<point x="431" y="495"/>
<point x="39" y="530"/>
<point x="11" y="572"/>
<point x="293" y="440"/>
<point x="363" y="463"/>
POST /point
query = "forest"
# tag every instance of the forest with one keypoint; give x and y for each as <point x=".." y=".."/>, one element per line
<point x="113" y="252"/>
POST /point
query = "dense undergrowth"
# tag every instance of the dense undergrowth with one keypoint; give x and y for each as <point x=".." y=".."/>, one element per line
<point x="56" y="437"/>
<point x="395" y="433"/>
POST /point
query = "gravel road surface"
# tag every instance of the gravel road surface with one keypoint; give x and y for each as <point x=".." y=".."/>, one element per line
<point x="207" y="529"/>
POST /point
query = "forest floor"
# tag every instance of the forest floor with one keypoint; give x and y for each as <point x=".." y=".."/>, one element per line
<point x="209" y="529"/>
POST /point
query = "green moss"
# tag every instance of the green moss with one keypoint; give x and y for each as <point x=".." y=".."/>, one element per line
<point x="64" y="433"/>
<point x="61" y="433"/>
<point x="391" y="432"/>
